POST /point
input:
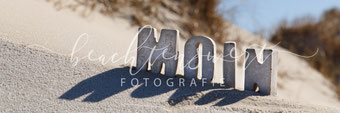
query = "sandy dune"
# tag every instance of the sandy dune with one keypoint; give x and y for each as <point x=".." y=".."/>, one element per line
<point x="37" y="81"/>
<point x="37" y="75"/>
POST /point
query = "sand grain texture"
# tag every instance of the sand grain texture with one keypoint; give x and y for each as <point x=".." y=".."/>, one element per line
<point x="37" y="81"/>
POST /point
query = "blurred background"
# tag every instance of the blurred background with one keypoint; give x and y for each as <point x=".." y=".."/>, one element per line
<point x="302" y="26"/>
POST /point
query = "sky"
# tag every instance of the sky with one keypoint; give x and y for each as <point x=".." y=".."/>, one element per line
<point x="264" y="15"/>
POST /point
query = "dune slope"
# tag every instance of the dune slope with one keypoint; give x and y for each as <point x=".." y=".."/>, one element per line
<point x="38" y="81"/>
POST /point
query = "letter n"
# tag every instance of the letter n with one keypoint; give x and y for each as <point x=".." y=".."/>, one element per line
<point x="261" y="75"/>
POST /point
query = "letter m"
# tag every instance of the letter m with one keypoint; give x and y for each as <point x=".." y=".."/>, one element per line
<point x="149" y="51"/>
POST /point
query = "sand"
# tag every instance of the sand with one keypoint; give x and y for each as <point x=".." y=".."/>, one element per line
<point x="37" y="75"/>
<point x="38" y="81"/>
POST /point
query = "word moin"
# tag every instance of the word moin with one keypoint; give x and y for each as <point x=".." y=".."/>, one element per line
<point x="164" y="52"/>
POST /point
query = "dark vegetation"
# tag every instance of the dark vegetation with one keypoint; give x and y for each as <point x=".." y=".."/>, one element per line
<point x="305" y="36"/>
<point x="196" y="17"/>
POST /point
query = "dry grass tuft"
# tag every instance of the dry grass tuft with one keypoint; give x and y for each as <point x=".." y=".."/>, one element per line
<point x="195" y="17"/>
<point x="203" y="19"/>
